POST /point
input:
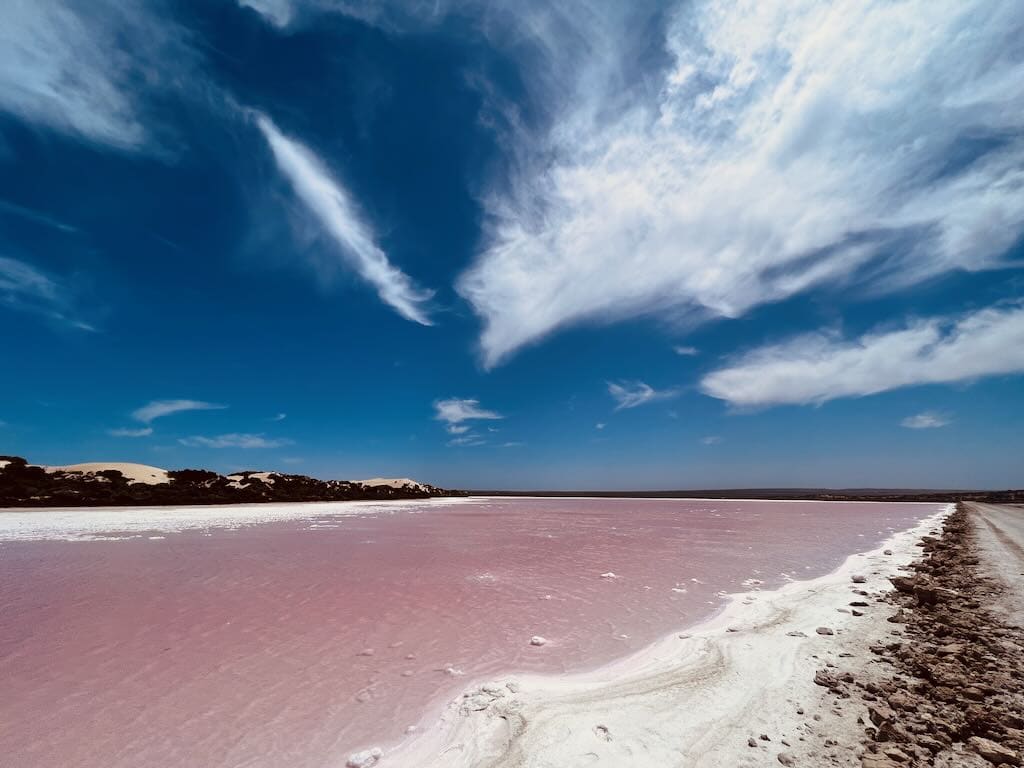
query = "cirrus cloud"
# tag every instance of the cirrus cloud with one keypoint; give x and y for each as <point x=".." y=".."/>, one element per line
<point x="333" y="206"/>
<point x="792" y="144"/>
<point x="159" y="408"/>
<point x="926" y="420"/>
<point x="630" y="394"/>
<point x="234" y="440"/>
<point x="128" y="432"/>
<point x="818" y="367"/>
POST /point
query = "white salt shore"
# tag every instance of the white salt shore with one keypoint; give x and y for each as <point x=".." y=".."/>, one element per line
<point x="698" y="698"/>
<point x="106" y="523"/>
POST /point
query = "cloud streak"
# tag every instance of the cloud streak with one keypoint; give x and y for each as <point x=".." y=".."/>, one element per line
<point x="926" y="420"/>
<point x="786" y="146"/>
<point x="455" y="412"/>
<point x="159" y="408"/>
<point x="234" y="440"/>
<point x="334" y="208"/>
<point x="128" y="432"/>
<point x="818" y="367"/>
<point x="85" y="69"/>
<point x="630" y="394"/>
<point x="24" y="288"/>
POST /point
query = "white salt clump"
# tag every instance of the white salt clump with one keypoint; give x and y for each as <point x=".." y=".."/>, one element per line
<point x="609" y="575"/>
<point x="411" y="729"/>
<point x="366" y="652"/>
<point x="453" y="671"/>
<point x="537" y="640"/>
<point x="681" y="590"/>
<point x="365" y="759"/>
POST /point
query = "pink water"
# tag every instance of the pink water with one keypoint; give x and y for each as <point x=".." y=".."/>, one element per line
<point x="293" y="643"/>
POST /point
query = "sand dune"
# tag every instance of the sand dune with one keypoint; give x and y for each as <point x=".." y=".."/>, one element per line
<point x="138" y="473"/>
<point x="391" y="482"/>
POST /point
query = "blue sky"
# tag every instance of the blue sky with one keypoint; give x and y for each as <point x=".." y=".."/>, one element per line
<point x="517" y="245"/>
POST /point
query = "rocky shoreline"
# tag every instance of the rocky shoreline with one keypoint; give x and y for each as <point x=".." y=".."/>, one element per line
<point x="945" y="686"/>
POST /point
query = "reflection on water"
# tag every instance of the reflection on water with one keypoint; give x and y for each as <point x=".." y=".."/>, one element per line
<point x="295" y="641"/>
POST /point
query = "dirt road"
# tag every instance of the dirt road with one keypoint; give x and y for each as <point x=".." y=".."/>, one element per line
<point x="1000" y="530"/>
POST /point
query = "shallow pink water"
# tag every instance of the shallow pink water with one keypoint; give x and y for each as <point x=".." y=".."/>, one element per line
<point x="294" y="643"/>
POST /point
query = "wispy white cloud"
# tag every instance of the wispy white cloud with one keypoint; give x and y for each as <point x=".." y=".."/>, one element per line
<point x="600" y="425"/>
<point x="38" y="217"/>
<point x="630" y="394"/>
<point x="333" y="206"/>
<point x="926" y="420"/>
<point x="84" y="69"/>
<point x="158" y="408"/>
<point x="279" y="417"/>
<point x="786" y="145"/>
<point x="818" y="367"/>
<point x="685" y="351"/>
<point x="234" y="440"/>
<point x="128" y="432"/>
<point x="456" y="410"/>
<point x="277" y="12"/>
<point x="711" y="440"/>
<point x="466" y="441"/>
<point x="513" y="444"/>
<point x="25" y="288"/>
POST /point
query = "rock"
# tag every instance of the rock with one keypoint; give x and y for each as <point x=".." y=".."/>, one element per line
<point x="764" y="737"/>
<point x="537" y="640"/>
<point x="859" y="578"/>
<point x="824" y="631"/>
<point x="855" y="612"/>
<point x="880" y="713"/>
<point x="901" y="700"/>
<point x="887" y="552"/>
<point x="795" y="633"/>
<point x="364" y="759"/>
<point x="751" y="742"/>
<point x="786" y="758"/>
<point x="904" y="584"/>
<point x="926" y="594"/>
<point x="995" y="753"/>
<point x="871" y="760"/>
<point x="897" y="754"/>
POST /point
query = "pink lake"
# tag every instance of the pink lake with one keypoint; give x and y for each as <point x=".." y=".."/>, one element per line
<point x="295" y="641"/>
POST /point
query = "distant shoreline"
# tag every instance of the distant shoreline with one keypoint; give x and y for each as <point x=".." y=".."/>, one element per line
<point x="786" y="494"/>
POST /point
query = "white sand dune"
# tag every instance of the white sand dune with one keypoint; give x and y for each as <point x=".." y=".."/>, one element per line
<point x="692" y="699"/>
<point x="391" y="482"/>
<point x="137" y="473"/>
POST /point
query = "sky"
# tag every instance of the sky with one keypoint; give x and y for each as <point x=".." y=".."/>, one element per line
<point x="523" y="245"/>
